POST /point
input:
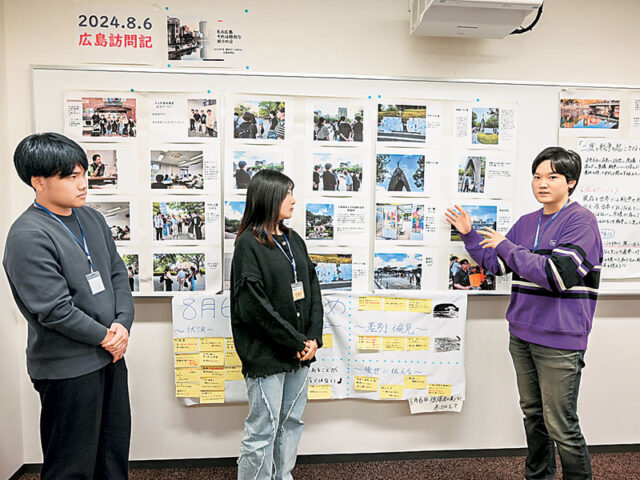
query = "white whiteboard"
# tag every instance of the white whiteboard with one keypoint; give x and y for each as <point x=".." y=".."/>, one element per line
<point x="537" y="106"/>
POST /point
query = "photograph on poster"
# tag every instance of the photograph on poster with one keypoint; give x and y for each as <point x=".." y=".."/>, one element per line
<point x="178" y="272"/>
<point x="482" y="216"/>
<point x="399" y="221"/>
<point x="178" y="221"/>
<point x="399" y="172"/>
<point x="177" y="170"/>
<point x="259" y="119"/>
<point x="203" y="118"/>
<point x="334" y="270"/>
<point x="246" y="163"/>
<point x="471" y="174"/>
<point x="397" y="271"/>
<point x="233" y="211"/>
<point x="466" y="274"/>
<point x="402" y="123"/>
<point x="109" y="117"/>
<point x="589" y="113"/>
<point x="131" y="262"/>
<point x="118" y="218"/>
<point x="319" y="221"/>
<point x="103" y="169"/>
<point x="188" y="38"/>
<point x="228" y="257"/>
<point x="485" y="125"/>
<point x="337" y="171"/>
<point x="336" y="121"/>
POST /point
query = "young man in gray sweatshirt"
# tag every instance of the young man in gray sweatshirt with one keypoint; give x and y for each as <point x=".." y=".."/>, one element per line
<point x="72" y="287"/>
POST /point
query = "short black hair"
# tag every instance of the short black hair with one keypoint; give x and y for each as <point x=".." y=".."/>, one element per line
<point x="46" y="155"/>
<point x="564" y="162"/>
<point x="95" y="155"/>
<point x="464" y="261"/>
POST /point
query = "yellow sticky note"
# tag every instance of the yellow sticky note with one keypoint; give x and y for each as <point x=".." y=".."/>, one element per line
<point x="231" y="347"/>
<point x="368" y="342"/>
<point x="417" y="343"/>
<point x="188" y="374"/>
<point x="393" y="304"/>
<point x="212" y="372"/>
<point x="233" y="373"/>
<point x="212" y="359"/>
<point x="369" y="303"/>
<point x="327" y="340"/>
<point x="184" y="390"/>
<point x="186" y="345"/>
<point x="393" y="343"/>
<point x="415" y="382"/>
<point x="390" y="392"/>
<point x="187" y="360"/>
<point x="319" y="392"/>
<point x="420" y="305"/>
<point x="366" y="384"/>
<point x="212" y="344"/>
<point x="212" y="396"/>
<point x="440" y="389"/>
<point x="232" y="359"/>
<point x="212" y="383"/>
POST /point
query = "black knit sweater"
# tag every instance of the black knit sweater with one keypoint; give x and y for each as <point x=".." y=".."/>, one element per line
<point x="268" y="326"/>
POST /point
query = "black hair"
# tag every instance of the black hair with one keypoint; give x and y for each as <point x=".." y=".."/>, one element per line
<point x="464" y="261"/>
<point x="265" y="194"/>
<point x="95" y="155"/>
<point x="358" y="118"/>
<point x="159" y="177"/>
<point x="342" y="118"/>
<point x="46" y="155"/>
<point x="321" y="120"/>
<point x="564" y="162"/>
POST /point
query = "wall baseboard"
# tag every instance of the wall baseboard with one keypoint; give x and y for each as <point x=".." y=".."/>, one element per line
<point x="343" y="458"/>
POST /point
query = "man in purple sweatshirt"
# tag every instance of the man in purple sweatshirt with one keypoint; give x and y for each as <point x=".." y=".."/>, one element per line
<point x="555" y="255"/>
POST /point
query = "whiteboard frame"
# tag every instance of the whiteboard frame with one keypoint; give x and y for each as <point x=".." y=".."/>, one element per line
<point x="619" y="285"/>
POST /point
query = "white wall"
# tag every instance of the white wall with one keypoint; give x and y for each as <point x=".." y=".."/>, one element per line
<point x="365" y="37"/>
<point x="11" y="345"/>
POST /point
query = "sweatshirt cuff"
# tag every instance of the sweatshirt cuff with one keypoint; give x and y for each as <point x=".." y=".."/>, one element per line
<point x="472" y="238"/>
<point x="315" y="333"/>
<point x="505" y="247"/>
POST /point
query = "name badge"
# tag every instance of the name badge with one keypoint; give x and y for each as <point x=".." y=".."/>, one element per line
<point x="297" y="289"/>
<point x="95" y="282"/>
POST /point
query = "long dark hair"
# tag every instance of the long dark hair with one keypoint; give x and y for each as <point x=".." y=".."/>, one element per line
<point x="267" y="190"/>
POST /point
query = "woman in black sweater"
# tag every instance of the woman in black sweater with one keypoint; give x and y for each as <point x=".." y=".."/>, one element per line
<point x="276" y="318"/>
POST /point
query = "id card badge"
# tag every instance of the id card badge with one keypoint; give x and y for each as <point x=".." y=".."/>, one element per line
<point x="297" y="289"/>
<point x="95" y="282"/>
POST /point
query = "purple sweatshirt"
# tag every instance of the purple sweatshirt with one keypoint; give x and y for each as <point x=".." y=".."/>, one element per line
<point x="555" y="289"/>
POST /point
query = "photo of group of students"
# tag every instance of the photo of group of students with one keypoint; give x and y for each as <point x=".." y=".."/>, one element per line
<point x="326" y="178"/>
<point x="109" y="117"/>
<point x="337" y="123"/>
<point x="177" y="170"/>
<point x="118" y="217"/>
<point x="246" y="163"/>
<point x="178" y="220"/>
<point x="264" y="120"/>
<point x="202" y="118"/>
<point x="178" y="272"/>
<point x="463" y="275"/>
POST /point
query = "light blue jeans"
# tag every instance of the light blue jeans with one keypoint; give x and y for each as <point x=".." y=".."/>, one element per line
<point x="274" y="426"/>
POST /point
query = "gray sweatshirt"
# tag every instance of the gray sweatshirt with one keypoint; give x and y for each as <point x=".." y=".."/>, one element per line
<point x="47" y="272"/>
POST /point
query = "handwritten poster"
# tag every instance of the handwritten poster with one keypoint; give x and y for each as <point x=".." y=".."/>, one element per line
<point x="416" y="353"/>
<point x="609" y="188"/>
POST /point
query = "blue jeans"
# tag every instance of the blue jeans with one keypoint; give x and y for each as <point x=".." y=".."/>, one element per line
<point x="274" y="426"/>
<point x="548" y="383"/>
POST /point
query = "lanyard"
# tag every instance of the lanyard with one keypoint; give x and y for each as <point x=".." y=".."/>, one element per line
<point x="538" y="239"/>
<point x="291" y="260"/>
<point x="82" y="245"/>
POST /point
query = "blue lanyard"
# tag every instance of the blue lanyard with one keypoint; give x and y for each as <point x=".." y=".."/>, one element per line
<point x="291" y="260"/>
<point x="538" y="239"/>
<point x="82" y="245"/>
